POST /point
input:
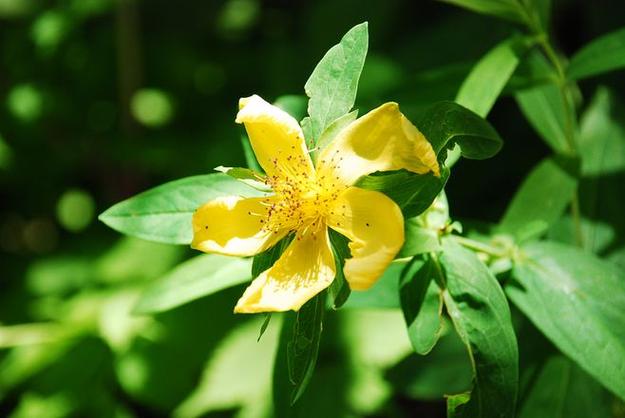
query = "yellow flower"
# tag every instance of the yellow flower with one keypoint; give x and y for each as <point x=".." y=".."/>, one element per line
<point x="307" y="200"/>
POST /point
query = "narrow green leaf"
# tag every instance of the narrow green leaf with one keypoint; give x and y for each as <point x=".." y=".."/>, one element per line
<point x="333" y="84"/>
<point x="486" y="81"/>
<point x="578" y="301"/>
<point x="265" y="260"/>
<point x="544" y="108"/>
<point x="248" y="152"/>
<point x="248" y="176"/>
<point x="446" y="124"/>
<point x="339" y="290"/>
<point x="503" y="9"/>
<point x="264" y="326"/>
<point x="163" y="214"/>
<point x="303" y="348"/>
<point x="480" y="313"/>
<point x="541" y="200"/>
<point x="414" y="193"/>
<point x="200" y="276"/>
<point x="422" y="305"/>
<point x="606" y="53"/>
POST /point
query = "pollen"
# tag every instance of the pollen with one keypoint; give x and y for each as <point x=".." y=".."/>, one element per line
<point x="301" y="200"/>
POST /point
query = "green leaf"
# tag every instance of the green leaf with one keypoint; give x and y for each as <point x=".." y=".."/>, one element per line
<point x="456" y="404"/>
<point x="164" y="213"/>
<point x="560" y="389"/>
<point x="339" y="290"/>
<point x="200" y="276"/>
<point x="540" y="201"/>
<point x="602" y="135"/>
<point x="246" y="175"/>
<point x="237" y="374"/>
<point x="602" y="149"/>
<point x="503" y="9"/>
<point x="578" y="302"/>
<point x="248" y="152"/>
<point x="414" y="193"/>
<point x="294" y="105"/>
<point x="446" y="124"/>
<point x="333" y="129"/>
<point x="384" y="294"/>
<point x="422" y="305"/>
<point x="418" y="240"/>
<point x="303" y="348"/>
<point x="333" y="84"/>
<point x="266" y="259"/>
<point x="485" y="82"/>
<point x="446" y="369"/>
<point x="480" y="313"/>
<point x="544" y="108"/>
<point x="606" y="53"/>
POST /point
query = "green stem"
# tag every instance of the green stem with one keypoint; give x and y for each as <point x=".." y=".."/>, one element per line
<point x="569" y="130"/>
<point x="440" y="276"/>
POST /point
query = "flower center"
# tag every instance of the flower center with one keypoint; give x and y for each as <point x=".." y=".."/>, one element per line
<point x="300" y="204"/>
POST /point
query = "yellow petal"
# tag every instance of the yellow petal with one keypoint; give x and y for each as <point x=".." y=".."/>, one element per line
<point x="381" y="140"/>
<point x="276" y="137"/>
<point x="233" y="225"/>
<point x="375" y="226"/>
<point x="304" y="269"/>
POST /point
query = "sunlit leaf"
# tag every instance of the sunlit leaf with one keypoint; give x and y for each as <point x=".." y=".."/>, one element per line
<point x="200" y="276"/>
<point x="164" y="213"/>
<point x="485" y="82"/>
<point x="333" y="84"/>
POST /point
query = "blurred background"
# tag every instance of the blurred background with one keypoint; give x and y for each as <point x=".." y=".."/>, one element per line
<point x="102" y="99"/>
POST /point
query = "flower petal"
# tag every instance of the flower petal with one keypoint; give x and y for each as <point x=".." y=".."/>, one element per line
<point x="276" y="137"/>
<point x="304" y="269"/>
<point x="381" y="140"/>
<point x="232" y="225"/>
<point x="375" y="226"/>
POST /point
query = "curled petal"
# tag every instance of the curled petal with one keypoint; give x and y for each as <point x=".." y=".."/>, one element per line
<point x="304" y="269"/>
<point x="375" y="226"/>
<point x="232" y="225"/>
<point x="276" y="137"/>
<point x="381" y="140"/>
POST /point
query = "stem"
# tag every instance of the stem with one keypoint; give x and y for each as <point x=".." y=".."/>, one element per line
<point x="479" y="246"/>
<point x="569" y="130"/>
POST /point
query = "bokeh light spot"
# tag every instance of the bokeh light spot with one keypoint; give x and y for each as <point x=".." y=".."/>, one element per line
<point x="152" y="107"/>
<point x="75" y="209"/>
<point x="25" y="102"/>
